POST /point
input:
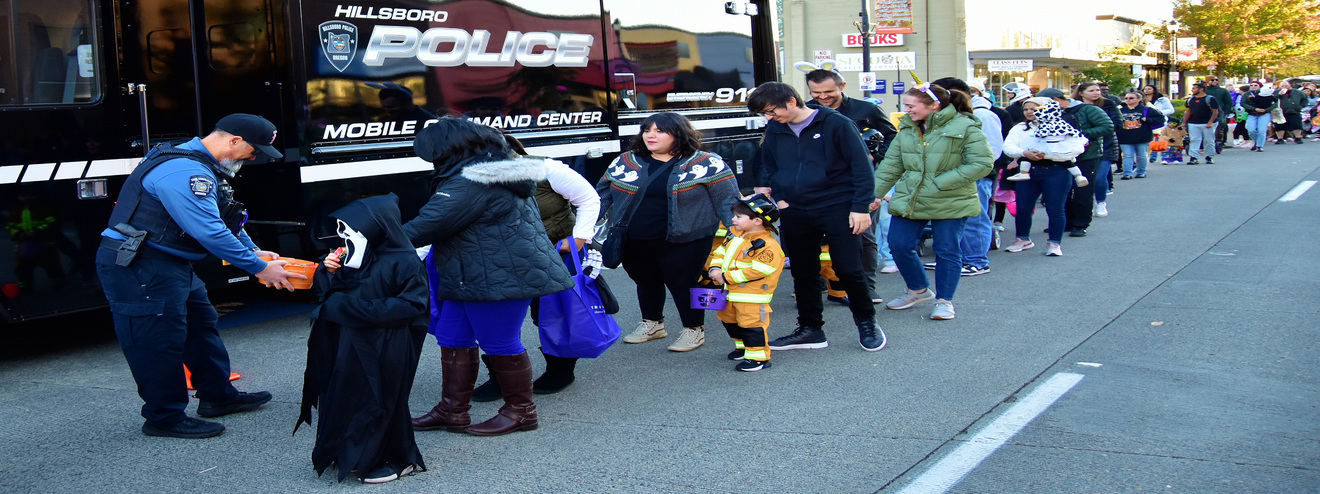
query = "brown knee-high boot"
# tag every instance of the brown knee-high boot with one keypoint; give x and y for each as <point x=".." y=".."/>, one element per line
<point x="459" y="376"/>
<point x="518" y="413"/>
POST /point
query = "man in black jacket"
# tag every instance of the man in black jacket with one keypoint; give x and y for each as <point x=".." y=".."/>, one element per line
<point x="815" y="166"/>
<point x="827" y="90"/>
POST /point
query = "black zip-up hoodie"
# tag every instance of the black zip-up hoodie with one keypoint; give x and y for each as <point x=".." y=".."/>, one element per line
<point x="827" y="166"/>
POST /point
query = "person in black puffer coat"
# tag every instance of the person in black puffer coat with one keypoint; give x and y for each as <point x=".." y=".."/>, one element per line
<point x="490" y="256"/>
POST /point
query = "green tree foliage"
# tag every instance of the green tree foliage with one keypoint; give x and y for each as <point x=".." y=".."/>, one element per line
<point x="1240" y="36"/>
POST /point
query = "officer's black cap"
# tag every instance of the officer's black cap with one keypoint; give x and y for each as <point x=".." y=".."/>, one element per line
<point x="257" y="131"/>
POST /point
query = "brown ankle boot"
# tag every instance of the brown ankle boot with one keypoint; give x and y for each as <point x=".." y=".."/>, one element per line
<point x="518" y="413"/>
<point x="459" y="375"/>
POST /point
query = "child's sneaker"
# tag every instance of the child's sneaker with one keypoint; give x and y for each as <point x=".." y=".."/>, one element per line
<point x="1019" y="177"/>
<point x="752" y="365"/>
<point x="1081" y="181"/>
<point x="737" y="354"/>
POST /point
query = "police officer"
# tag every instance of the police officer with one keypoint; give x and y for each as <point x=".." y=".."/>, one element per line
<point x="174" y="208"/>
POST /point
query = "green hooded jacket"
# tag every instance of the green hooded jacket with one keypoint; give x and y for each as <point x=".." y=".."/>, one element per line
<point x="935" y="172"/>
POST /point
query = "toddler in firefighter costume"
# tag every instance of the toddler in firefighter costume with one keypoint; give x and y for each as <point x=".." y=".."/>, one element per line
<point x="749" y="263"/>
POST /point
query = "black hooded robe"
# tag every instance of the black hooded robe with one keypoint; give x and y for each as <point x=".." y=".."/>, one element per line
<point x="364" y="346"/>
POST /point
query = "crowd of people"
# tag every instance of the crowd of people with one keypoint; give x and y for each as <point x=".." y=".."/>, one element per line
<point x="839" y="191"/>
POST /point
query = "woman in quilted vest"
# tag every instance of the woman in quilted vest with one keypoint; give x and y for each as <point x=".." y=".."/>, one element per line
<point x="671" y="197"/>
<point x="490" y="256"/>
<point x="933" y="165"/>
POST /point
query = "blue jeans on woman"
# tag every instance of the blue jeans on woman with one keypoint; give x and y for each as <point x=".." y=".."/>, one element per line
<point x="1258" y="126"/>
<point x="905" y="234"/>
<point x="495" y="327"/>
<point x="1052" y="181"/>
<point x="1135" y="153"/>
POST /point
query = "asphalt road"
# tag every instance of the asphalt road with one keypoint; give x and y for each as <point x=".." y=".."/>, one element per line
<point x="1174" y="349"/>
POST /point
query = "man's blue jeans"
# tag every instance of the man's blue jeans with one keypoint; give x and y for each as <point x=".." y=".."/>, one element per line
<point x="904" y="234"/>
<point x="976" y="240"/>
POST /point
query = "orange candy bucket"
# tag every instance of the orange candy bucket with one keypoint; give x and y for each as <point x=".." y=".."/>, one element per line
<point x="299" y="266"/>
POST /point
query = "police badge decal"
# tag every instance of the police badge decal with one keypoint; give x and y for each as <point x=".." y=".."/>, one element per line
<point x="339" y="43"/>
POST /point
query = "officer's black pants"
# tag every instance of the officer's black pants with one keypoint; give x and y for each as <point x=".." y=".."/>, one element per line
<point x="164" y="320"/>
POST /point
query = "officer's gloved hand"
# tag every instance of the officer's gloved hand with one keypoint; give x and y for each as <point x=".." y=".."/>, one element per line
<point x="592" y="264"/>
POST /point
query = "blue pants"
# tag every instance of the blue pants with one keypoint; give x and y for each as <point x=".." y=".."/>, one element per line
<point x="1102" y="176"/>
<point x="905" y="234"/>
<point x="882" y="233"/>
<point x="976" y="239"/>
<point x="164" y="320"/>
<point x="1135" y="156"/>
<point x="494" y="326"/>
<point x="1259" y="126"/>
<point x="1053" y="182"/>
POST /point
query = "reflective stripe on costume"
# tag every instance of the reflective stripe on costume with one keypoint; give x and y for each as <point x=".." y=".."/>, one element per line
<point x="824" y="256"/>
<point x="754" y="298"/>
<point x="759" y="354"/>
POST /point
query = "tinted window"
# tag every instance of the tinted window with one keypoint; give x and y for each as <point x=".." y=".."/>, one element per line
<point x="55" y="57"/>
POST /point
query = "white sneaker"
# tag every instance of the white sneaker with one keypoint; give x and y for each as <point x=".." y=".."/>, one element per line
<point x="690" y="339"/>
<point x="889" y="269"/>
<point x="1101" y="210"/>
<point x="646" y="331"/>
<point x="1081" y="181"/>
<point x="1019" y="177"/>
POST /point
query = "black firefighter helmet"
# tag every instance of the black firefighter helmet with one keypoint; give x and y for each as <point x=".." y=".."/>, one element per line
<point x="763" y="207"/>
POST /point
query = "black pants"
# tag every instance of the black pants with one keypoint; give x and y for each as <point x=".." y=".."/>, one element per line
<point x="164" y="320"/>
<point x="1081" y="200"/>
<point x="655" y="265"/>
<point x="803" y="229"/>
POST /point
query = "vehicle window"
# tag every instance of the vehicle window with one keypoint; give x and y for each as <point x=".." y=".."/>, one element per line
<point x="698" y="56"/>
<point x="48" y="53"/>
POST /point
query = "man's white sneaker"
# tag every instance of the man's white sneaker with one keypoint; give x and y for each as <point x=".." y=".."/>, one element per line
<point x="1101" y="210"/>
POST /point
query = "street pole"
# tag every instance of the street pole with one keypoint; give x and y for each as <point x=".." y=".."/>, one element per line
<point x="866" y="44"/>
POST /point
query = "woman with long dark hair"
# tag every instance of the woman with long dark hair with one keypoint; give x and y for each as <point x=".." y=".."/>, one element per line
<point x="938" y="155"/>
<point x="1091" y="94"/>
<point x="671" y="197"/>
<point x="490" y="256"/>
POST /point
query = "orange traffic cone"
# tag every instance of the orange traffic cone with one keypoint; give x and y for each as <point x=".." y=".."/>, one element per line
<point x="187" y="376"/>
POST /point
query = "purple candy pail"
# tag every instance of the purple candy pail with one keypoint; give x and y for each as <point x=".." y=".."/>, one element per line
<point x="708" y="298"/>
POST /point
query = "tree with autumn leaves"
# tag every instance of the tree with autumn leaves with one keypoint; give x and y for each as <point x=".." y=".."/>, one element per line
<point x="1242" y="37"/>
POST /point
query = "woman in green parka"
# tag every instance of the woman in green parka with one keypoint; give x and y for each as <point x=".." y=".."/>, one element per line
<point x="933" y="165"/>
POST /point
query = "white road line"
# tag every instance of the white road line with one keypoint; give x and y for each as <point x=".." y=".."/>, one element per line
<point x="1297" y="191"/>
<point x="952" y="468"/>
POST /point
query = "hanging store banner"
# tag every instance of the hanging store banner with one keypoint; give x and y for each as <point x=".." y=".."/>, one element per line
<point x="1187" y="50"/>
<point x="893" y="16"/>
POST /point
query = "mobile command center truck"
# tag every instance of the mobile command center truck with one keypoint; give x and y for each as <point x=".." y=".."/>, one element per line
<point x="88" y="86"/>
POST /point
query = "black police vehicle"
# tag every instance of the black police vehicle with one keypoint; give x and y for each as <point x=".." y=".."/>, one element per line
<point x="88" y="86"/>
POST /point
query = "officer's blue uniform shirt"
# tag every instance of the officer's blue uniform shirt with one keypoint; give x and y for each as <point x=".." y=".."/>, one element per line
<point x="187" y="189"/>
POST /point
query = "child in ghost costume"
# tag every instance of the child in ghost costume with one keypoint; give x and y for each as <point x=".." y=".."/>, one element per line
<point x="365" y="343"/>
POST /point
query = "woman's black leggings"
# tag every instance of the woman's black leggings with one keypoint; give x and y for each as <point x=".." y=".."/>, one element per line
<point x="656" y="265"/>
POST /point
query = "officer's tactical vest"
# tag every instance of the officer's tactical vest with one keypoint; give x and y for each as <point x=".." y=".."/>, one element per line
<point x="139" y="209"/>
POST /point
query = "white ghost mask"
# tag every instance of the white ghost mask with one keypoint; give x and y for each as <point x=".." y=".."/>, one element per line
<point x="357" y="245"/>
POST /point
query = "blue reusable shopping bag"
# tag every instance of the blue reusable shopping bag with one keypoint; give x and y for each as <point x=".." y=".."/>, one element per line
<point x="573" y="323"/>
